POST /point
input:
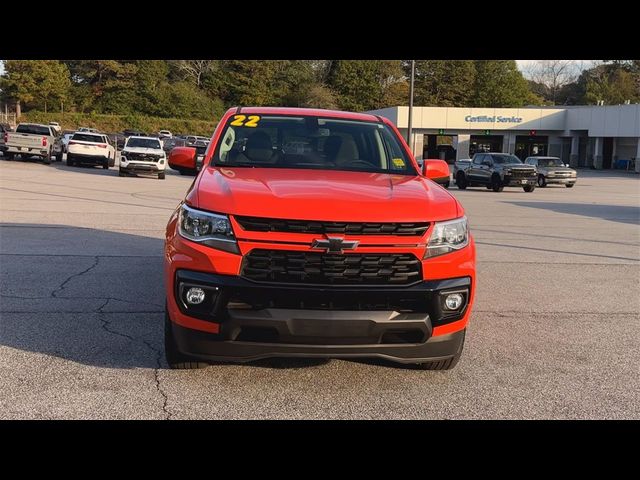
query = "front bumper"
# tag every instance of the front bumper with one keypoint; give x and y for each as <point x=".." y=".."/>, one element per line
<point x="560" y="180"/>
<point x="257" y="320"/>
<point x="507" y="181"/>
<point x="142" y="167"/>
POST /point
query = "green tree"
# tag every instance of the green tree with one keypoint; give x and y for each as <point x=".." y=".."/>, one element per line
<point x="499" y="83"/>
<point x="613" y="83"/>
<point x="366" y="84"/>
<point x="184" y="99"/>
<point x="37" y="83"/>
<point x="444" y="83"/>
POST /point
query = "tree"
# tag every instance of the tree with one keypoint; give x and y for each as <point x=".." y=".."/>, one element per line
<point x="552" y="76"/>
<point x="36" y="83"/>
<point x="444" y="83"/>
<point x="194" y="70"/>
<point x="499" y="83"/>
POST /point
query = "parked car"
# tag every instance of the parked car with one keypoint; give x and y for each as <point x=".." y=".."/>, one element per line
<point x="88" y="130"/>
<point x="31" y="139"/>
<point x="165" y="134"/>
<point x="552" y="170"/>
<point x="5" y="128"/>
<point x="91" y="149"/>
<point x="133" y="133"/>
<point x="143" y="155"/>
<point x="460" y="165"/>
<point x="56" y="126"/>
<point x="496" y="171"/>
<point x="64" y="140"/>
<point x="349" y="251"/>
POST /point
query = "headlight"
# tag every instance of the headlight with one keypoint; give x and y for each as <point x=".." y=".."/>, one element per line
<point x="507" y="171"/>
<point x="448" y="237"/>
<point x="208" y="228"/>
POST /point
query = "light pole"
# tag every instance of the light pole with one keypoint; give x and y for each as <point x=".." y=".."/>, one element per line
<point x="410" y="125"/>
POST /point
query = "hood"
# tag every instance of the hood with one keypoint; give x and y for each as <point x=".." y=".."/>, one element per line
<point x="323" y="195"/>
<point x="518" y="165"/>
<point x="153" y="151"/>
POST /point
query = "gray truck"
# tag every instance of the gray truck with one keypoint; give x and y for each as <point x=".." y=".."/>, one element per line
<point x="33" y="140"/>
<point x="496" y="171"/>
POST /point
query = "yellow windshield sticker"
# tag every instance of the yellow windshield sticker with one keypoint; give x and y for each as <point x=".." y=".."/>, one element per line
<point x="244" y="121"/>
<point x="397" y="162"/>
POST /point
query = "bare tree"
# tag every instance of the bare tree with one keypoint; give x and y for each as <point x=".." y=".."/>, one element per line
<point x="554" y="74"/>
<point x="194" y="69"/>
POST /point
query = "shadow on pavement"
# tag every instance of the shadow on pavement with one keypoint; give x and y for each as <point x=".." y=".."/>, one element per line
<point x="613" y="213"/>
<point x="90" y="296"/>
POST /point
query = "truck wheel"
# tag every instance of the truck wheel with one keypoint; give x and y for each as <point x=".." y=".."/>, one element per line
<point x="569" y="185"/>
<point x="496" y="183"/>
<point x="176" y="359"/>
<point x="461" y="181"/>
<point x="446" y="184"/>
<point x="529" y="188"/>
<point x="542" y="182"/>
<point x="59" y="157"/>
<point x="447" y="364"/>
<point x="161" y="176"/>
<point x="69" y="161"/>
<point x="47" y="159"/>
<point x="8" y="156"/>
<point x="105" y="165"/>
<point x="121" y="173"/>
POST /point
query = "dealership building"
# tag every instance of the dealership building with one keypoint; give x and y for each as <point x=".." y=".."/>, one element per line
<point x="600" y="137"/>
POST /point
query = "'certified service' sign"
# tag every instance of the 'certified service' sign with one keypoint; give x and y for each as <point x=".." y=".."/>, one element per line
<point x="492" y="119"/>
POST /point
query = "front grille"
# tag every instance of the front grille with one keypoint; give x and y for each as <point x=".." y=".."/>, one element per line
<point x="284" y="266"/>
<point x="257" y="224"/>
<point x="521" y="173"/>
<point x="142" y="157"/>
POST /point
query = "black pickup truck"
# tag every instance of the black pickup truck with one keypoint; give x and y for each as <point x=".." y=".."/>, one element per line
<point x="496" y="171"/>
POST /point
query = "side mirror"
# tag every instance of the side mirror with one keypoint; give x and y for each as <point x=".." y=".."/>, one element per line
<point x="436" y="170"/>
<point x="183" y="159"/>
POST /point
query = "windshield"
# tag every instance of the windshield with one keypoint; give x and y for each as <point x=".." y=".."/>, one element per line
<point x="143" y="143"/>
<point x="505" y="159"/>
<point x="277" y="141"/>
<point x="550" y="162"/>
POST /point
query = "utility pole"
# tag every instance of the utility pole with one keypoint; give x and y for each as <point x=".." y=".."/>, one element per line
<point x="410" y="125"/>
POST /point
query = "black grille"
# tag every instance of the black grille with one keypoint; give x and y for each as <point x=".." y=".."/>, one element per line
<point x="522" y="173"/>
<point x="257" y="224"/>
<point x="284" y="266"/>
<point x="143" y="157"/>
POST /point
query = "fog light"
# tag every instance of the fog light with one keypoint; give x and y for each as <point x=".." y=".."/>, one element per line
<point x="453" y="301"/>
<point x="195" y="296"/>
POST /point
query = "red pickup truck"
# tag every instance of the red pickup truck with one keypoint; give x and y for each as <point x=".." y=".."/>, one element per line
<point x="314" y="233"/>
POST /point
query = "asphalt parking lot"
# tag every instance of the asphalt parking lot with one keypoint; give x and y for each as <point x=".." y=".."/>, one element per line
<point x="555" y="332"/>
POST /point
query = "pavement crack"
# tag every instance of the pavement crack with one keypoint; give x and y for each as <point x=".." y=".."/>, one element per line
<point x="62" y="286"/>
<point x="105" y="324"/>
<point x="156" y="375"/>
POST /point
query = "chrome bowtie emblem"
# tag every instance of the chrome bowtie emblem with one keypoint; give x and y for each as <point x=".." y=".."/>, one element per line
<point x="334" y="244"/>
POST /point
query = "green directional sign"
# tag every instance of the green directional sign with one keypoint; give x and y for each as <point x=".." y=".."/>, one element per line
<point x="441" y="131"/>
<point x="487" y="132"/>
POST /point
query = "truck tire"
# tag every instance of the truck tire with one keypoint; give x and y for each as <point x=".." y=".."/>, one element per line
<point x="161" y="176"/>
<point x="461" y="181"/>
<point x="176" y="359"/>
<point x="59" y="157"/>
<point x="105" y="164"/>
<point x="8" y="156"/>
<point x="447" y="364"/>
<point x="121" y="173"/>
<point x="542" y="182"/>
<point x="569" y="185"/>
<point x="496" y="183"/>
<point x="69" y="161"/>
<point x="529" y="188"/>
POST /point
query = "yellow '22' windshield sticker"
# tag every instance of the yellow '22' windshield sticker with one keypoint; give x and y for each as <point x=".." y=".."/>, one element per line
<point x="245" y="121"/>
<point x="397" y="162"/>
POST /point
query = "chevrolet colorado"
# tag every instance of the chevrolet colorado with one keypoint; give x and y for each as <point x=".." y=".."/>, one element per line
<point x="338" y="247"/>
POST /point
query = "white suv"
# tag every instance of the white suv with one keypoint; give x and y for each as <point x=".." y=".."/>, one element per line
<point x="90" y="148"/>
<point x="143" y="155"/>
